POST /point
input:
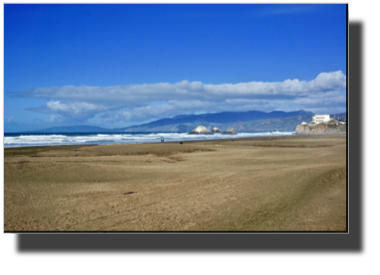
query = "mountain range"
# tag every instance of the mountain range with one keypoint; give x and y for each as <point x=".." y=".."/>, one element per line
<point x="250" y="121"/>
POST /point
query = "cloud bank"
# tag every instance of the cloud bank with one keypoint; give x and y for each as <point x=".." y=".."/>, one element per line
<point x="138" y="103"/>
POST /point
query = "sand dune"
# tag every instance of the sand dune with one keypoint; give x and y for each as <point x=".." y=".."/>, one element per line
<point x="295" y="183"/>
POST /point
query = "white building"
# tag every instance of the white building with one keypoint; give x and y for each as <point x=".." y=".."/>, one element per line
<point x="321" y="118"/>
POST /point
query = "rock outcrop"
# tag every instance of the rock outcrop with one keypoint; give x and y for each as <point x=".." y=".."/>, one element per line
<point x="230" y="132"/>
<point x="216" y="130"/>
<point x="200" y="130"/>
<point x="332" y="127"/>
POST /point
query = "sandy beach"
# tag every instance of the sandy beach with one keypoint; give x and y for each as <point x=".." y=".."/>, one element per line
<point x="294" y="183"/>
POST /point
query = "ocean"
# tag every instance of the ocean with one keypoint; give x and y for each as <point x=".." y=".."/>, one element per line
<point x="27" y="139"/>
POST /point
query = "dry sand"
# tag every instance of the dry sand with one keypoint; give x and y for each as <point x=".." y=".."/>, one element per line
<point x="295" y="183"/>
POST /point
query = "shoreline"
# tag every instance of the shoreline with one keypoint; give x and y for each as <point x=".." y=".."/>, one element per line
<point x="294" y="135"/>
<point x="173" y="141"/>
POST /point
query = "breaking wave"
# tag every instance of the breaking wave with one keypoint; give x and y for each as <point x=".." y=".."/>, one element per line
<point x="14" y="140"/>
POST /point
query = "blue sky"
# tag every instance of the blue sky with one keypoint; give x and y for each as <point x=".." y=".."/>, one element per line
<point x="119" y="65"/>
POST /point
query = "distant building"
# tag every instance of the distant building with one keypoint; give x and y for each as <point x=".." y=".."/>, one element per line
<point x="321" y="118"/>
<point x="304" y="123"/>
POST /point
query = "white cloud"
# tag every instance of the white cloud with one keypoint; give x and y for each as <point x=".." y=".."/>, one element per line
<point x="74" y="107"/>
<point x="332" y="102"/>
<point x="55" y="118"/>
<point x="140" y="95"/>
<point x="133" y="102"/>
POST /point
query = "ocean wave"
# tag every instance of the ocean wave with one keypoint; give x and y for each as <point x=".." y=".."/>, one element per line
<point x="54" y="139"/>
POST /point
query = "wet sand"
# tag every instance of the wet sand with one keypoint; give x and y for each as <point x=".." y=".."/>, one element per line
<point x="294" y="183"/>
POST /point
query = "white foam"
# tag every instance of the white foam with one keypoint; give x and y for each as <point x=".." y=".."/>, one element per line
<point x="43" y="140"/>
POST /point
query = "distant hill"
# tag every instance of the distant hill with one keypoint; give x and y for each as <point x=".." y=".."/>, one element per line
<point x="224" y="121"/>
<point x="241" y="121"/>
